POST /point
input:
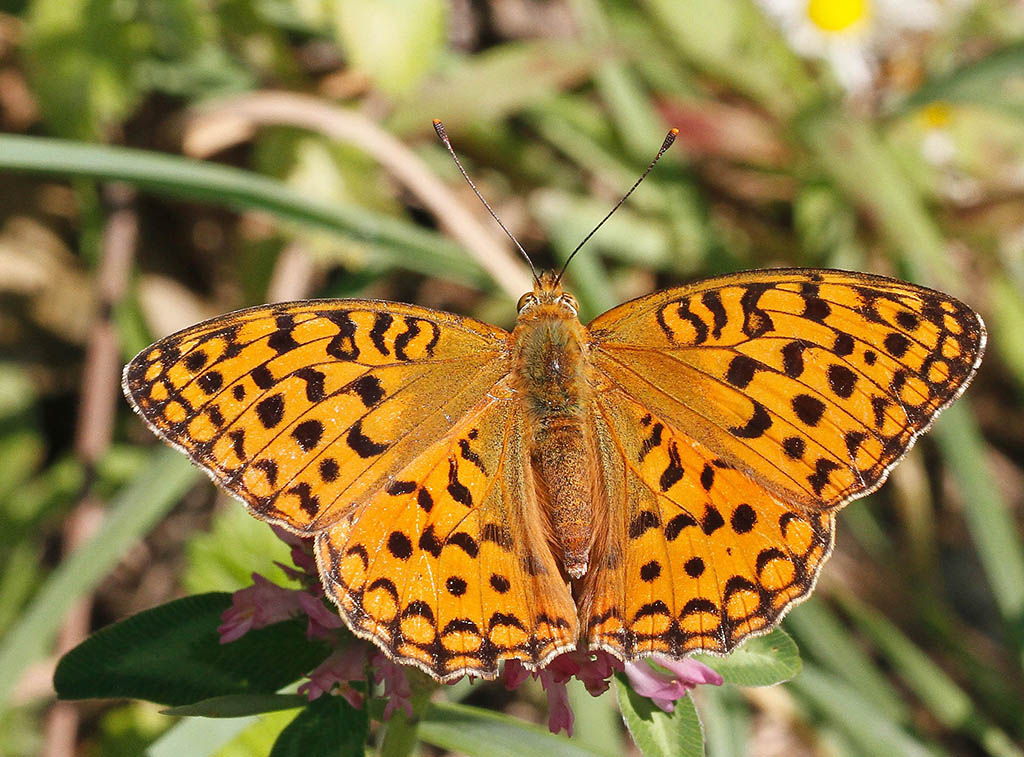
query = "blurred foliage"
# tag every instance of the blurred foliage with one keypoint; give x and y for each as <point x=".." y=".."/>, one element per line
<point x="914" y="641"/>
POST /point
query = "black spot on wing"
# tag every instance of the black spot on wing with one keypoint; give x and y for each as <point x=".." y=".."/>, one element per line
<point x="195" y="360"/>
<point x="808" y="409"/>
<point x="429" y="541"/>
<point x="760" y="421"/>
<point x="793" y="359"/>
<point x="643" y="522"/>
<point x="314" y="383"/>
<point x="361" y="444"/>
<point x="308" y="434"/>
<point x="756" y="320"/>
<point x="381" y="323"/>
<point x="465" y="542"/>
<point x="262" y="377"/>
<point x="712" y="520"/>
<point x="712" y="300"/>
<point x="458" y="491"/>
<point x="741" y="371"/>
<point x="210" y="382"/>
<point x="282" y="341"/>
<point x="676" y="525"/>
<point x="270" y="410"/>
<point x="343" y="344"/>
<point x="368" y="388"/>
<point x="652" y="441"/>
<point x="673" y="472"/>
<point x="466" y="452"/>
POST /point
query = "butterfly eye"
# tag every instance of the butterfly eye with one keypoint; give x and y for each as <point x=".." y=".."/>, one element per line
<point x="526" y="299"/>
<point x="570" y="301"/>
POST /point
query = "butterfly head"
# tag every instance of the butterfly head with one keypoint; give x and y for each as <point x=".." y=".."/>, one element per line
<point x="547" y="299"/>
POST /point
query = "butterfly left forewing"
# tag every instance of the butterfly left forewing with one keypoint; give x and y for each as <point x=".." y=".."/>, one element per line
<point x="302" y="409"/>
<point x="813" y="383"/>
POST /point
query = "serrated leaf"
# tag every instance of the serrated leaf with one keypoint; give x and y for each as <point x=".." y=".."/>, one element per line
<point x="328" y="725"/>
<point x="173" y="655"/>
<point x="658" y="733"/>
<point x="761" y="661"/>
<point x="239" y="705"/>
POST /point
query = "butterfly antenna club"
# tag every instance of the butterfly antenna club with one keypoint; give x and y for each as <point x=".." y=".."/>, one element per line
<point x="669" y="139"/>
<point x="443" y="136"/>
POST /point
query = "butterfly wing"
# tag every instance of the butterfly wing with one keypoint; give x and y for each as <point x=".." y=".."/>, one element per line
<point x="385" y="430"/>
<point x="813" y="383"/>
<point x="735" y="417"/>
<point x="304" y="409"/>
<point x="448" y="568"/>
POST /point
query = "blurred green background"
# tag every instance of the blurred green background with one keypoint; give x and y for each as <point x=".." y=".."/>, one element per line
<point x="167" y="160"/>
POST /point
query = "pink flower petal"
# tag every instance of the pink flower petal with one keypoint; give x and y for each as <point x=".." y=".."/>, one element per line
<point x="560" y="715"/>
<point x="396" y="685"/>
<point x="665" y="688"/>
<point x="515" y="674"/>
<point x="262" y="604"/>
<point x="322" y="622"/>
<point x="341" y="667"/>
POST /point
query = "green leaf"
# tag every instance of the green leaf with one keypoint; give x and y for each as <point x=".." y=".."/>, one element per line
<point x="992" y="82"/>
<point x="395" y="42"/>
<point x="871" y="729"/>
<point x="657" y="733"/>
<point x="172" y="655"/>
<point x="989" y="516"/>
<point x="394" y="241"/>
<point x="328" y="726"/>
<point x="239" y="705"/>
<point x="824" y="637"/>
<point x="83" y="85"/>
<point x="496" y="83"/>
<point x="866" y="171"/>
<point x="131" y="515"/>
<point x="470" y="730"/>
<point x="735" y="43"/>
<point x="198" y="737"/>
<point x="761" y="661"/>
<point x="945" y="700"/>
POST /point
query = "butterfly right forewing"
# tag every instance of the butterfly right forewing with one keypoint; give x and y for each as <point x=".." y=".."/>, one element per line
<point x="303" y="409"/>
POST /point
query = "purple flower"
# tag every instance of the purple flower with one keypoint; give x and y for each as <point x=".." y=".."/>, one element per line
<point x="257" y="606"/>
<point x="302" y="552"/>
<point x="322" y="622"/>
<point x="341" y="668"/>
<point x="396" y="685"/>
<point x="594" y="669"/>
<point x="560" y="716"/>
<point x="665" y="688"/>
<point x="515" y="674"/>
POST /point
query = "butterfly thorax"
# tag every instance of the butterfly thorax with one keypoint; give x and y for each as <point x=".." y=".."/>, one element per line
<point x="551" y="377"/>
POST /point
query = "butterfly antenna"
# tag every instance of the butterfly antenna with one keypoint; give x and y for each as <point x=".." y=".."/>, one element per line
<point x="669" y="139"/>
<point x="443" y="136"/>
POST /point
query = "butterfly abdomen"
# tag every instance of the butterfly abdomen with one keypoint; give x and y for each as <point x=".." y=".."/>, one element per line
<point x="551" y="377"/>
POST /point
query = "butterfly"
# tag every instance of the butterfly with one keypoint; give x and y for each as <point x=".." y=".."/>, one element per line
<point x="663" y="480"/>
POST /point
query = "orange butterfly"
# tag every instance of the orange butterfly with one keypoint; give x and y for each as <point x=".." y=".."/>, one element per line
<point x="661" y="481"/>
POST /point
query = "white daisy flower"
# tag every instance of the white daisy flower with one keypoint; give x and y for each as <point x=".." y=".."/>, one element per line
<point x="851" y="34"/>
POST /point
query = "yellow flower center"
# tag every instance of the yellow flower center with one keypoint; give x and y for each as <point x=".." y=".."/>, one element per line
<point x="837" y="15"/>
<point x="937" y="114"/>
